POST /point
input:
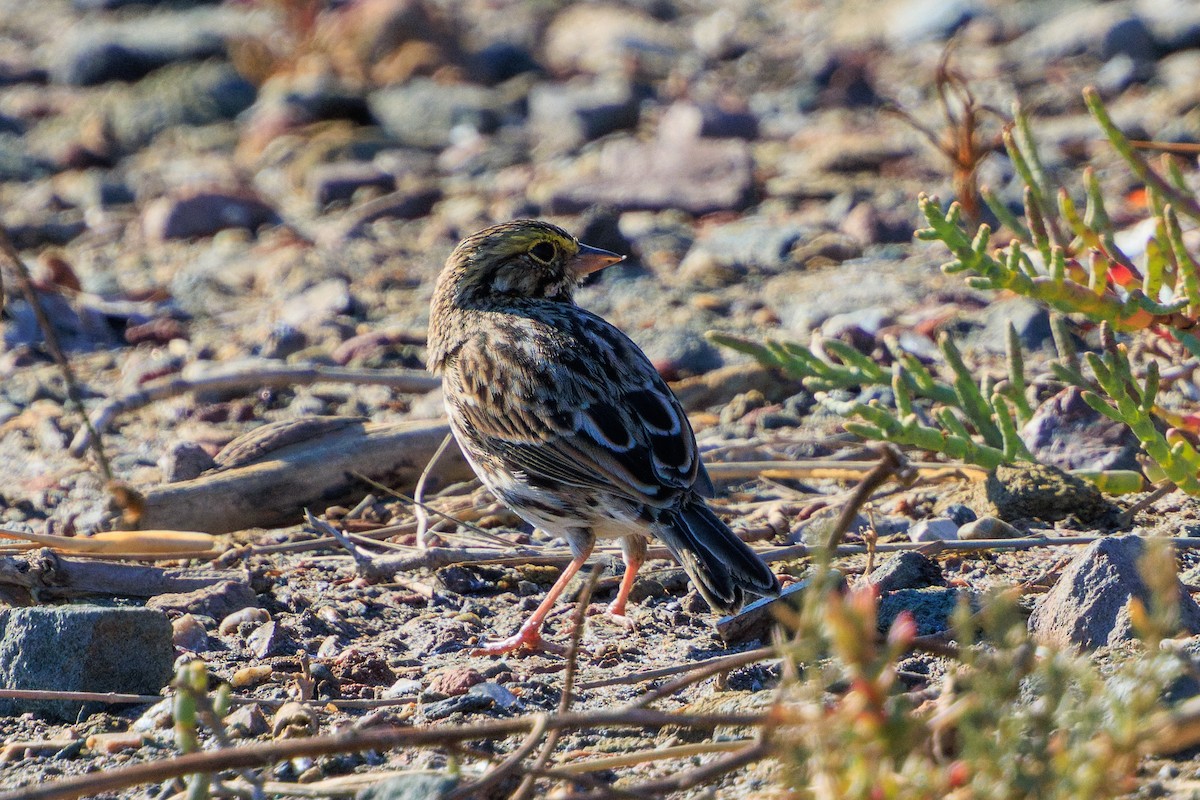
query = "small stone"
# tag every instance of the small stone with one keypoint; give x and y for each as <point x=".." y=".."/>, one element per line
<point x="217" y="601"/>
<point x="988" y="528"/>
<point x="82" y="649"/>
<point x="816" y="530"/>
<point x="463" y="704"/>
<point x="570" y="114"/>
<point x="452" y="682"/>
<point x="338" y="182"/>
<point x="250" y="676"/>
<point x="424" y="113"/>
<point x="906" y="570"/>
<point x="293" y="721"/>
<point x="403" y="687"/>
<point x="116" y="742"/>
<point x="1036" y="491"/>
<point x="267" y="639"/>
<point x="697" y="177"/>
<point x="203" y="213"/>
<point x="501" y="698"/>
<point x="935" y="529"/>
<point x="960" y="514"/>
<point x="247" y="721"/>
<point x="188" y="634"/>
<point x="411" y="786"/>
<point x="930" y="607"/>
<point x="689" y="121"/>
<point x="183" y="461"/>
<point x="1089" y="605"/>
<point x="231" y="623"/>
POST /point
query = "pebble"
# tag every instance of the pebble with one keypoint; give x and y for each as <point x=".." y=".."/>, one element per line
<point x="451" y="682"/>
<point x="232" y="623"/>
<point x="188" y="633"/>
<point x="988" y="528"/>
<point x="906" y="570"/>
<point x="568" y="115"/>
<point x="935" y="529"/>
<point x="697" y="177"/>
<point x="199" y="214"/>
<point x="1067" y="433"/>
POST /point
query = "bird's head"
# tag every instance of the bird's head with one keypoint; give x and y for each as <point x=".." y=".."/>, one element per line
<point x="520" y="259"/>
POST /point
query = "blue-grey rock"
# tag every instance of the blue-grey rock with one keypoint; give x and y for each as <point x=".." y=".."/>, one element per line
<point x="1067" y="433"/>
<point x="82" y="649"/>
<point x="500" y="697"/>
<point x="935" y="529"/>
<point x="930" y="607"/>
<point x="411" y="786"/>
<point x="181" y="94"/>
<point x="906" y="570"/>
<point x="424" y="114"/>
<point x="499" y="61"/>
<point x="338" y="181"/>
<point x="1129" y="37"/>
<point x="133" y="48"/>
<point x="567" y="115"/>
<point x="960" y="513"/>
<point x="1089" y="605"/>
<point x="462" y="704"/>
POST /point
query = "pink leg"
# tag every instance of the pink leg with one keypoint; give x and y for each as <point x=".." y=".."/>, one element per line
<point x="529" y="637"/>
<point x="633" y="552"/>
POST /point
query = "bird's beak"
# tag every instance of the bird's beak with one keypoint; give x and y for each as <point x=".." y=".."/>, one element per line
<point x="591" y="259"/>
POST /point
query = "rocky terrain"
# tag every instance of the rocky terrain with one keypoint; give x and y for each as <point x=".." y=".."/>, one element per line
<point x="275" y="185"/>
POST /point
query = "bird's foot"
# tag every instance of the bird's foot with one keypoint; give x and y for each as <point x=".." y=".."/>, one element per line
<point x="527" y="639"/>
<point x="616" y="613"/>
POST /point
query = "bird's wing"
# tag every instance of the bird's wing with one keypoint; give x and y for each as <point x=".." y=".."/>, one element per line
<point x="576" y="403"/>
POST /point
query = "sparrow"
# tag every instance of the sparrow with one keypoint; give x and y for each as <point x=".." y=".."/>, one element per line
<point x="565" y="420"/>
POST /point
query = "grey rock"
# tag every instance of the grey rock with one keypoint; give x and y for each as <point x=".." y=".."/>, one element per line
<point x="935" y="529"/>
<point x="816" y="531"/>
<point x="217" y="601"/>
<point x="1088" y="606"/>
<point x="567" y="115"/>
<point x="1030" y="320"/>
<point x="1129" y="37"/>
<point x="329" y="183"/>
<point x="411" y="786"/>
<point x="468" y="703"/>
<point x="931" y="608"/>
<point x="1069" y="434"/>
<point x="183" y="461"/>
<point x="82" y="649"/>
<point x="907" y="570"/>
<point x="181" y="94"/>
<point x="203" y="214"/>
<point x="960" y="514"/>
<point x="751" y="244"/>
<point x="423" y="113"/>
<point x="1037" y="491"/>
<point x="916" y="21"/>
<point x="689" y="121"/>
<point x="500" y="697"/>
<point x="697" y="177"/>
<point x="131" y="49"/>
<point x="17" y="163"/>
<point x="987" y="528"/>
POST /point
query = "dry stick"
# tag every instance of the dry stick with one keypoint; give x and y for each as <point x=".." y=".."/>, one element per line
<point x="642" y="756"/>
<point x="702" y="671"/>
<point x="507" y="766"/>
<point x="683" y="780"/>
<point x="666" y="672"/>
<point x="25" y="284"/>
<point x="242" y="376"/>
<point x="1159" y="492"/>
<point x="564" y="703"/>
<point x="891" y="463"/>
<point x="419" y="494"/>
<point x="261" y="755"/>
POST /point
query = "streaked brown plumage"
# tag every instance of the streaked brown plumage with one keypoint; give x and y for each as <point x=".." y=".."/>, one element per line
<point x="566" y="421"/>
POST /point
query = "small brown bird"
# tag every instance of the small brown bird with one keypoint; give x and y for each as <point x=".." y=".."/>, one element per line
<point x="567" y="422"/>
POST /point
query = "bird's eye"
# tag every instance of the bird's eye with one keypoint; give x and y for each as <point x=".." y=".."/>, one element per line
<point x="544" y="252"/>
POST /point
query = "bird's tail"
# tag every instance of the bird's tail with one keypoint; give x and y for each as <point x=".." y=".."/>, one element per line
<point x="721" y="565"/>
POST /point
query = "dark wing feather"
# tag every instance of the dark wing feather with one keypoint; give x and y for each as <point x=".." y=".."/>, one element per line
<point x="572" y="400"/>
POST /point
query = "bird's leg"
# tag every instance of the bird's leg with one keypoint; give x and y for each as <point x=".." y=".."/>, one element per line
<point x="529" y="637"/>
<point x="633" y="553"/>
